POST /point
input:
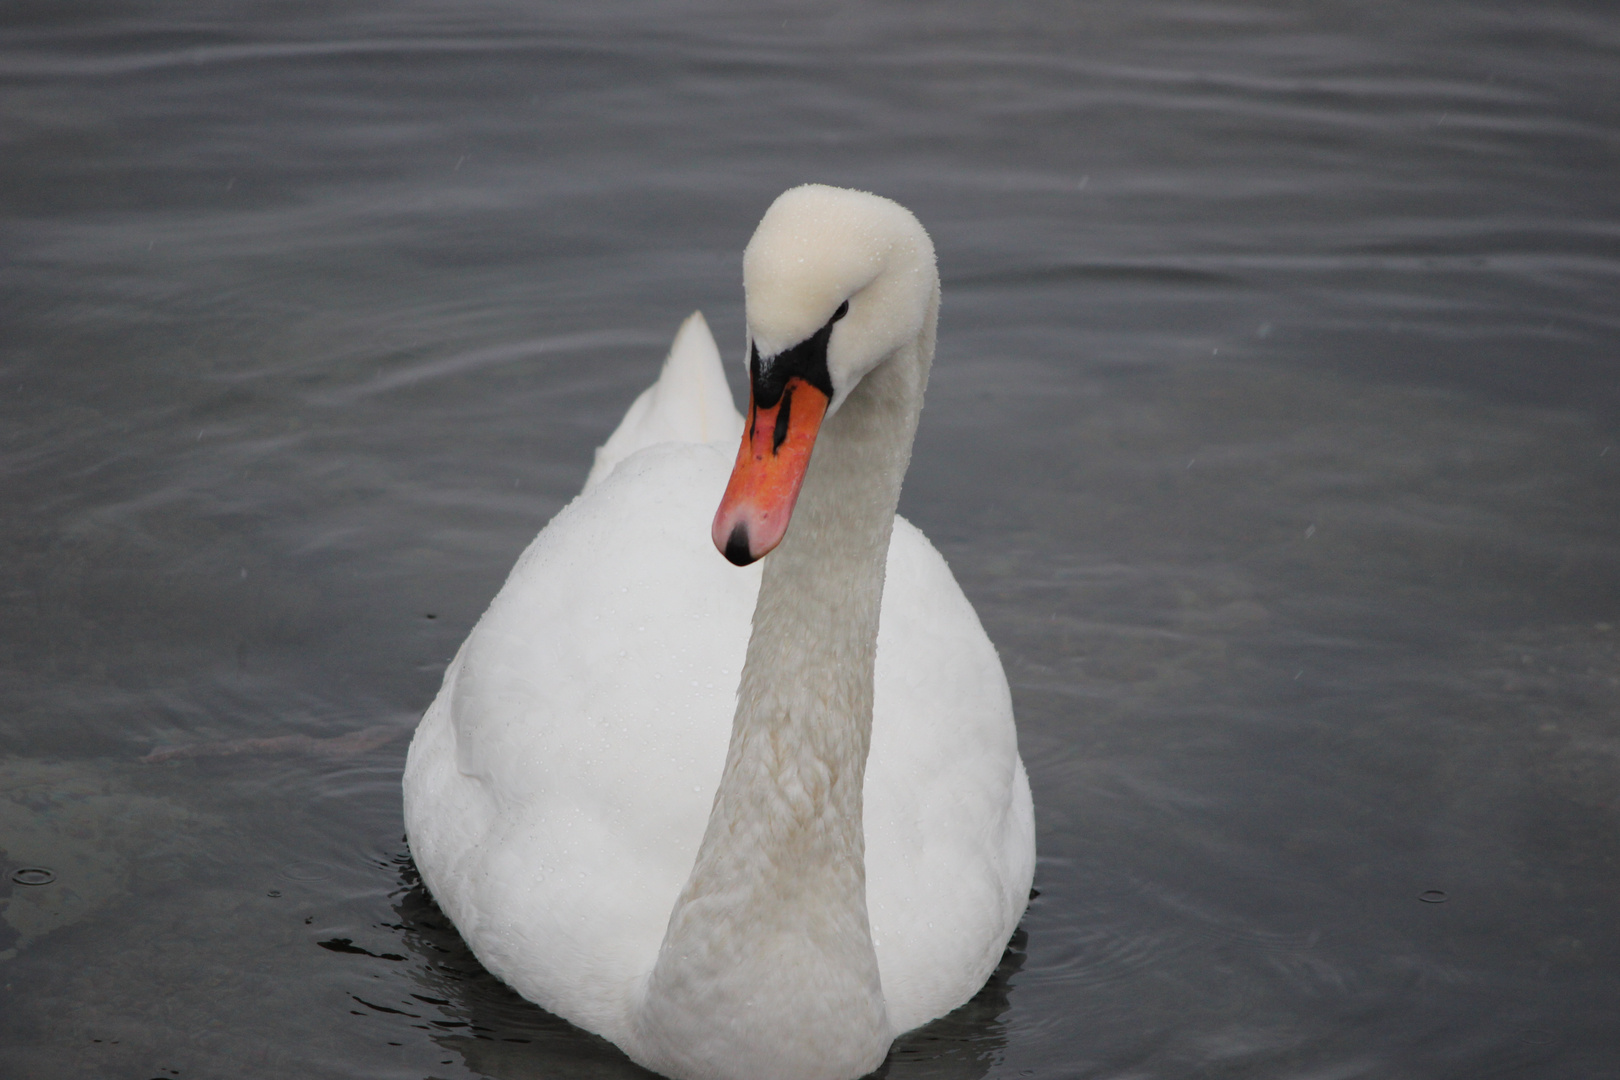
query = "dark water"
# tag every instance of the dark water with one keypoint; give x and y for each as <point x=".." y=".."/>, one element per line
<point x="1273" y="432"/>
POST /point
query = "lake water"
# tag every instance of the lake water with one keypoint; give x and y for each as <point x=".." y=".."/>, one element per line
<point x="1273" y="433"/>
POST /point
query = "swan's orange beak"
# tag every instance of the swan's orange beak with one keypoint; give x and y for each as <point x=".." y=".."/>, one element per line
<point x="765" y="482"/>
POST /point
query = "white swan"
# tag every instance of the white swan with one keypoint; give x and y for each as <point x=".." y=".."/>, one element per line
<point x="649" y="820"/>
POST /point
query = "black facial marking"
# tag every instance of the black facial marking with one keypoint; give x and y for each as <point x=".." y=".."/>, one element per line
<point x="779" y="435"/>
<point x="807" y="360"/>
<point x="737" y="545"/>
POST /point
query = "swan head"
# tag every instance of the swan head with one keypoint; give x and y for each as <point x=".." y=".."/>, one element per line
<point x="836" y="282"/>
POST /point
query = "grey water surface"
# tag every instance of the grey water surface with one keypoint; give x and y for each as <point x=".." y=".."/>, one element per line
<point x="1273" y="433"/>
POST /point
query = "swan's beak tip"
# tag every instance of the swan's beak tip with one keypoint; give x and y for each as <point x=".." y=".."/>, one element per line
<point x="736" y="546"/>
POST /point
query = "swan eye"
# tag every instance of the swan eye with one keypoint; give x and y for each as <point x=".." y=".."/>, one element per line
<point x="843" y="309"/>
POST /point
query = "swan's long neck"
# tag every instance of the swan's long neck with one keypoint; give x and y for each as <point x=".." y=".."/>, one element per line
<point x="767" y="968"/>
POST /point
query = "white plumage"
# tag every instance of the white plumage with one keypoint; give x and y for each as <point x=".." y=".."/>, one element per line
<point x="559" y="787"/>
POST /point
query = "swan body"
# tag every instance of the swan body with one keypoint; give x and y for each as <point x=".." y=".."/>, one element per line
<point x="742" y="821"/>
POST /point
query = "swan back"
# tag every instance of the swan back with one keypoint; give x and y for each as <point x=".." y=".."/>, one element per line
<point x="690" y="403"/>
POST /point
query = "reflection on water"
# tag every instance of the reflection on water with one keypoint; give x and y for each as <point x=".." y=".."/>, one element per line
<point x="1272" y="434"/>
